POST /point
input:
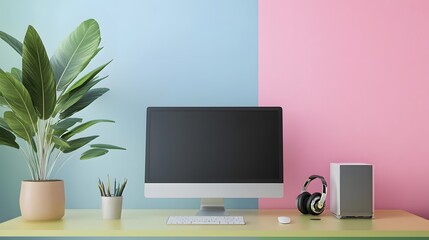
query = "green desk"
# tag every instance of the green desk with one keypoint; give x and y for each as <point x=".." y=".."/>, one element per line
<point x="259" y="223"/>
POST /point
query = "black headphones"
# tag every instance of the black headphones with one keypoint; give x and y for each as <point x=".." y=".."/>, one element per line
<point x="313" y="204"/>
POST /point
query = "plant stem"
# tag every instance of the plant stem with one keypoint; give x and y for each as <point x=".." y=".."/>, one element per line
<point x="54" y="162"/>
<point x="63" y="163"/>
<point x="28" y="161"/>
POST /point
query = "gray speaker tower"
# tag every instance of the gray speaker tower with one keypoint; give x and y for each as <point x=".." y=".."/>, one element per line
<point x="352" y="194"/>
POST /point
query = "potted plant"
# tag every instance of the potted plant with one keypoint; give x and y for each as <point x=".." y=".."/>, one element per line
<point x="42" y="99"/>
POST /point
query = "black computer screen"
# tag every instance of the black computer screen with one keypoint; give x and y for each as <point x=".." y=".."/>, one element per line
<point x="214" y="145"/>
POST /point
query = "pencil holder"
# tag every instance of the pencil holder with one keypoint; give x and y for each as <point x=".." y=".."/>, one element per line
<point x="111" y="207"/>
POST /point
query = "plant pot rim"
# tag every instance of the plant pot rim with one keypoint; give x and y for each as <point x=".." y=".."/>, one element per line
<point x="111" y="196"/>
<point x="49" y="180"/>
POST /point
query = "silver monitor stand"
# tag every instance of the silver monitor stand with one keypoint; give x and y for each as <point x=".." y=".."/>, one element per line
<point x="212" y="207"/>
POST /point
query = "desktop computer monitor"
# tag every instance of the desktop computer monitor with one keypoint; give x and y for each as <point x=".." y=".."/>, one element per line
<point x="214" y="153"/>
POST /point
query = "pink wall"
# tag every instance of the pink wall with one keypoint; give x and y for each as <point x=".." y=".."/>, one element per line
<point x="353" y="80"/>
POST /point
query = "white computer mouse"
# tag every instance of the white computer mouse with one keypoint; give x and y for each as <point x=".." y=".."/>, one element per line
<point x="284" y="219"/>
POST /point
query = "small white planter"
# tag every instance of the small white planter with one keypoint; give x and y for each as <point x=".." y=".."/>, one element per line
<point x="111" y="207"/>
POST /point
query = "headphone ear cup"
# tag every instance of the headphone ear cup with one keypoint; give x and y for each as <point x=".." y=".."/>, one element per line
<point x="301" y="202"/>
<point x="312" y="204"/>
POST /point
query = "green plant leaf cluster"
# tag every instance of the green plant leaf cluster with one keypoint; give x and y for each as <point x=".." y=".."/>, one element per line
<point x="43" y="96"/>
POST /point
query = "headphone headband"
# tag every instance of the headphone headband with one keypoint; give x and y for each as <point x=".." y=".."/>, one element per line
<point x="324" y="188"/>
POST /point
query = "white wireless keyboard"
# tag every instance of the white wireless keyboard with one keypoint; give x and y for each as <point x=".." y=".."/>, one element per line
<point x="239" y="220"/>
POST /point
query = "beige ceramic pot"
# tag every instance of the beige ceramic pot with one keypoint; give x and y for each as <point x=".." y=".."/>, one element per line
<point x="42" y="200"/>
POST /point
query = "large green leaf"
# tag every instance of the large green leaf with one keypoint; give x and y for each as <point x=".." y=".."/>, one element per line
<point x="18" y="126"/>
<point x="77" y="143"/>
<point x="3" y="102"/>
<point x="16" y="73"/>
<point x="7" y="138"/>
<point x="75" y="52"/>
<point x="13" y="42"/>
<point x="3" y="124"/>
<point x="37" y="75"/>
<point x="107" y="146"/>
<point x="89" y="76"/>
<point x="87" y="99"/>
<point x="93" y="153"/>
<point x="60" y="143"/>
<point x="18" y="98"/>
<point x="82" y="127"/>
<point x="62" y="126"/>
<point x="70" y="98"/>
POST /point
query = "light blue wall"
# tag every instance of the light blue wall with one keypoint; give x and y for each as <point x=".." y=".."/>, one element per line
<point x="166" y="52"/>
